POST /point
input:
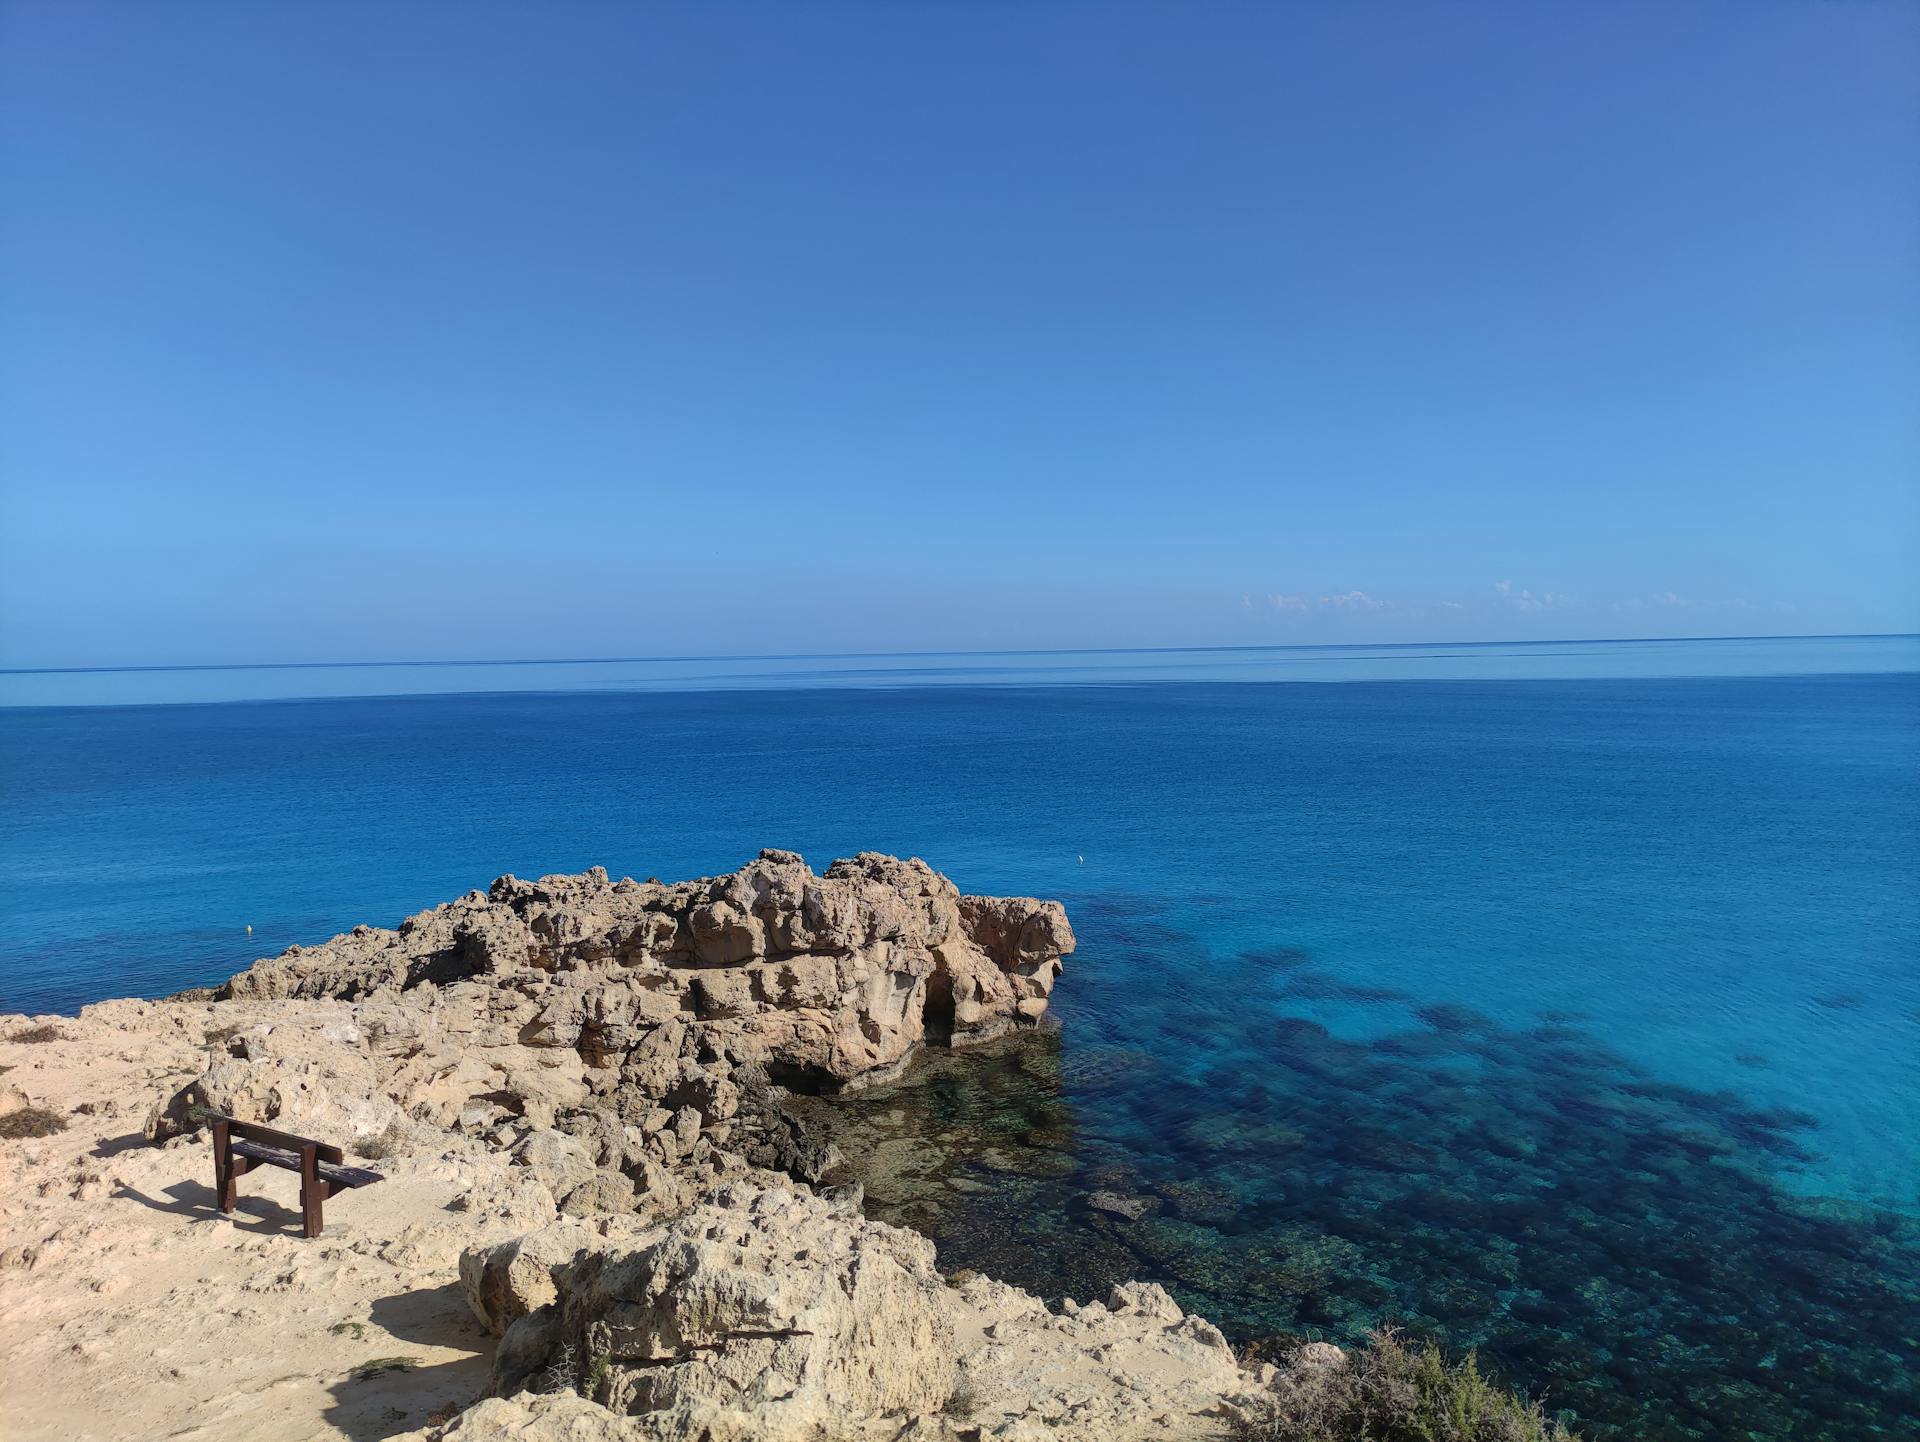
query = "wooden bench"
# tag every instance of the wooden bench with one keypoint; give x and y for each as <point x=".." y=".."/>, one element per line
<point x="239" y="1147"/>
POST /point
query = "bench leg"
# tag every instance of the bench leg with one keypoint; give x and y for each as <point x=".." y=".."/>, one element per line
<point x="313" y="1191"/>
<point x="224" y="1189"/>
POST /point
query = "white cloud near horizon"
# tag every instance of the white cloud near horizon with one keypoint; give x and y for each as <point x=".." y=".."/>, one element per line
<point x="1523" y="599"/>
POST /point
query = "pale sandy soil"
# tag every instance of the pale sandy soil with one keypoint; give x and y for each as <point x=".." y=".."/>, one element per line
<point x="130" y="1308"/>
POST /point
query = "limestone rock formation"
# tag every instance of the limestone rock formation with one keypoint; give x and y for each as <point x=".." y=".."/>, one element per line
<point x="768" y="1301"/>
<point x="306" y="1097"/>
<point x="1135" y="1366"/>
<point x="624" y="1042"/>
<point x="820" y="978"/>
<point x="773" y="1313"/>
<point x="573" y="1089"/>
<point x="509" y="1279"/>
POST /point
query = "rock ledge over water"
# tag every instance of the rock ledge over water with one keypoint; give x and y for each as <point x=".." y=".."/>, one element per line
<point x="822" y="979"/>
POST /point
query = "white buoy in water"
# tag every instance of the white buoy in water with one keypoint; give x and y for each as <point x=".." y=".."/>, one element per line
<point x="1083" y="861"/>
<point x="249" y="929"/>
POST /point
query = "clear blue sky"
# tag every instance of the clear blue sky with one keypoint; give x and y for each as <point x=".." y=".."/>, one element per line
<point x="375" y="331"/>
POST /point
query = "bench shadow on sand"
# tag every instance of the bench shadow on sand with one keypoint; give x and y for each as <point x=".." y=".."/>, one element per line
<point x="373" y="1407"/>
<point x="253" y="1212"/>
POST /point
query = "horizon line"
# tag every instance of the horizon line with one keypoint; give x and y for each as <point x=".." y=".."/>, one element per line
<point x="982" y="651"/>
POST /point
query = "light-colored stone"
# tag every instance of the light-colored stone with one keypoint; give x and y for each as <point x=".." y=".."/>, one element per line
<point x="1135" y="1367"/>
<point x="509" y="1279"/>
<point x="769" y="1301"/>
<point x="311" y="1098"/>
<point x="602" y="1194"/>
<point x="828" y="976"/>
<point x="557" y="1161"/>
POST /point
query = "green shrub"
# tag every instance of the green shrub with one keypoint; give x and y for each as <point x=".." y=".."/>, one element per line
<point x="1390" y="1392"/>
<point x="391" y="1142"/>
<point x="595" y="1375"/>
<point x="30" y="1122"/>
<point x="44" y="1032"/>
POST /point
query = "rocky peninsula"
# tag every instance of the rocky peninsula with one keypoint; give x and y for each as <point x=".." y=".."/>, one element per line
<point x="598" y="1219"/>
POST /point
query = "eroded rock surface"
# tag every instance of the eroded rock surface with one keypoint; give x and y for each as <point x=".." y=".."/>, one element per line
<point x="768" y="1312"/>
<point x="768" y="1301"/>
<point x="819" y="978"/>
<point x="624" y="1040"/>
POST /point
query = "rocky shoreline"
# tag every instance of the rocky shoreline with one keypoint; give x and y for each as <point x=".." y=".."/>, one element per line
<point x="576" y="1089"/>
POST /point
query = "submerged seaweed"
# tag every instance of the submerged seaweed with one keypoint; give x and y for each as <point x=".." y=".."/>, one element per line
<point x="1611" y="1241"/>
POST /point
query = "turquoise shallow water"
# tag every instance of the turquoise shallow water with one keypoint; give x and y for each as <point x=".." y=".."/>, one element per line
<point x="1576" y="1018"/>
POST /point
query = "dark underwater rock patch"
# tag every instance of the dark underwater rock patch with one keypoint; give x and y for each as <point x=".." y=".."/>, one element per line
<point x="1451" y="1017"/>
<point x="1276" y="958"/>
<point x="1319" y="986"/>
<point x="1839" y="1001"/>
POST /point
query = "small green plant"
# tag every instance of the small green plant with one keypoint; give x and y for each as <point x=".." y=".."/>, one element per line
<point x="349" y="1329"/>
<point x="595" y="1374"/>
<point x="380" y="1366"/>
<point x="44" y="1032"/>
<point x="960" y="1401"/>
<point x="30" y="1122"/>
<point x="1390" y="1392"/>
<point x="389" y="1143"/>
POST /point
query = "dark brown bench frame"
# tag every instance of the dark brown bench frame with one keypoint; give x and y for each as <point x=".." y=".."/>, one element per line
<point x="239" y="1147"/>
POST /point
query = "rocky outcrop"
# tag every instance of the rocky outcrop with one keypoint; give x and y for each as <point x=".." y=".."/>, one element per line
<point x="770" y="1313"/>
<point x="617" y="1051"/>
<point x="821" y="979"/>
<point x="770" y="1302"/>
<point x="506" y="1281"/>
<point x="1133" y="1366"/>
<point x="625" y="1042"/>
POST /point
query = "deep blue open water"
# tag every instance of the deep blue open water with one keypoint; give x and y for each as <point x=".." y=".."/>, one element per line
<point x="1575" y="1018"/>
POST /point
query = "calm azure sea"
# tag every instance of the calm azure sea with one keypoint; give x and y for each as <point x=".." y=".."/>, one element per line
<point x="1559" y="1001"/>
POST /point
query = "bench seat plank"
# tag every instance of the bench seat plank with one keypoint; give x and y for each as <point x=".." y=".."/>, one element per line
<point x="330" y="1173"/>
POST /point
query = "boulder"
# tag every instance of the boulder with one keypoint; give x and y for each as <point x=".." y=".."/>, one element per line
<point x="602" y="1194"/>
<point x="306" y="1097"/>
<point x="1117" y="1204"/>
<point x="763" y="1301"/>
<point x="557" y="1161"/>
<point x="506" y="1281"/>
<point x="1134" y="1367"/>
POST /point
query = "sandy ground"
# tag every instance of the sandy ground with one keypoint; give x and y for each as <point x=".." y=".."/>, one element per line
<point x="130" y="1308"/>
